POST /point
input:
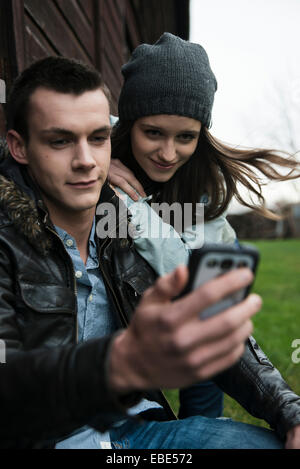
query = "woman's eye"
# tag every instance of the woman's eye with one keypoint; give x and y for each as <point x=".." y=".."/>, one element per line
<point x="186" y="137"/>
<point x="152" y="133"/>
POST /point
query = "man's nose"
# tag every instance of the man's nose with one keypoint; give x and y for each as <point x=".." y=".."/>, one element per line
<point x="167" y="152"/>
<point x="83" y="157"/>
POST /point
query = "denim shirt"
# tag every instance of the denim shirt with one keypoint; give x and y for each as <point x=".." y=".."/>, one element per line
<point x="96" y="318"/>
<point x="91" y="292"/>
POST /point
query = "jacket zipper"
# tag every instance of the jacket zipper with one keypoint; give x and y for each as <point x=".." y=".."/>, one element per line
<point x="74" y="279"/>
<point x="101" y="248"/>
<point x="125" y="321"/>
<point x="112" y="292"/>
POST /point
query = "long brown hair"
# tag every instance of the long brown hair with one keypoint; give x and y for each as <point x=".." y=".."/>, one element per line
<point x="215" y="169"/>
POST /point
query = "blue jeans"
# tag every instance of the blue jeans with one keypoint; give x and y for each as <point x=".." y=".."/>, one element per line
<point x="193" y="433"/>
<point x="204" y="398"/>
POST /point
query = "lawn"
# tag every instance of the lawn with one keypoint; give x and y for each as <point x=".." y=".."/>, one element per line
<point x="277" y="325"/>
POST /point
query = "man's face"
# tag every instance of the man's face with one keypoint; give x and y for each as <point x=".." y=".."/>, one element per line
<point x="68" y="152"/>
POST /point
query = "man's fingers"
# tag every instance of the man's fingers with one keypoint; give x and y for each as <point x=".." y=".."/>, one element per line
<point x="214" y="367"/>
<point x="212" y="292"/>
<point x="217" y="349"/>
<point x="223" y="331"/>
<point x="237" y="314"/>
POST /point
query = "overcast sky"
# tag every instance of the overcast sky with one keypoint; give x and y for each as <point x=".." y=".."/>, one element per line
<point x="254" y="51"/>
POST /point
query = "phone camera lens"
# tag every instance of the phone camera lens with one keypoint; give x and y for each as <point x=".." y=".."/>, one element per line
<point x="212" y="263"/>
<point x="226" y="264"/>
<point x="242" y="264"/>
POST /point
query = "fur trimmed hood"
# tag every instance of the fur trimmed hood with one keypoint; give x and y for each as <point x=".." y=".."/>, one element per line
<point x="20" y="208"/>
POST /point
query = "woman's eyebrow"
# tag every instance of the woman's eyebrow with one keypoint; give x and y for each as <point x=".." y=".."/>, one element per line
<point x="181" y="131"/>
<point x="151" y="126"/>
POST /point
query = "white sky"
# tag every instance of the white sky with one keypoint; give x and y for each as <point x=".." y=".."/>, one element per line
<point x="254" y="51"/>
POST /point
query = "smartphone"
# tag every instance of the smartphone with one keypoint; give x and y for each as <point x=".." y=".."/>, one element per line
<point x="211" y="261"/>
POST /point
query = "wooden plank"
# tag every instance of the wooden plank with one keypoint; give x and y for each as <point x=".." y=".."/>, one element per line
<point x="182" y="12"/>
<point x="111" y="14"/>
<point x="114" y="33"/>
<point x="110" y="75"/>
<point x="132" y="26"/>
<point x="144" y="15"/>
<point x="79" y="24"/>
<point x="120" y="7"/>
<point x="37" y="47"/>
<point x="88" y="9"/>
<point x="19" y="31"/>
<point x="50" y="22"/>
<point x="98" y="7"/>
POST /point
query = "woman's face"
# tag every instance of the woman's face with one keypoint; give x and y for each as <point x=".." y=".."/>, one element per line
<point x="163" y="143"/>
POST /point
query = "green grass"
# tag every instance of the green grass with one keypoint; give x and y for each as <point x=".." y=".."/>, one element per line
<point x="278" y="323"/>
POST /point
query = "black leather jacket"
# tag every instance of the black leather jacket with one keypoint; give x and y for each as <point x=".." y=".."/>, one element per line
<point x="45" y="383"/>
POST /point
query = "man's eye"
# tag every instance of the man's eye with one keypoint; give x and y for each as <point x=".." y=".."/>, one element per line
<point x="59" y="143"/>
<point x="98" y="139"/>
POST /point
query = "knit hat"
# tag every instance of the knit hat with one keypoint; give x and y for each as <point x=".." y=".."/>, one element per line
<point x="172" y="76"/>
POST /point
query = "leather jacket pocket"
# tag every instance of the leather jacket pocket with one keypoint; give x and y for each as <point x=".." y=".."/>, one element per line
<point x="137" y="284"/>
<point x="45" y="298"/>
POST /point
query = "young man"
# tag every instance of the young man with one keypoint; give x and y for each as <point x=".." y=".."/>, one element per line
<point x="73" y="368"/>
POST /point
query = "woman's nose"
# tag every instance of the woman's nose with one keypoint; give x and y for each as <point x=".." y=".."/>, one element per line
<point x="167" y="152"/>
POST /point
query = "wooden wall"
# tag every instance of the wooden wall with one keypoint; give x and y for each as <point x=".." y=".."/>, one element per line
<point x="101" y="32"/>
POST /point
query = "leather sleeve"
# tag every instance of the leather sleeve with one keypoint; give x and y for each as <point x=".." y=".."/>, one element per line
<point x="259" y="387"/>
<point x="46" y="393"/>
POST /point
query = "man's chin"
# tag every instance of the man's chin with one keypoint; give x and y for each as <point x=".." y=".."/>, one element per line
<point x="80" y="206"/>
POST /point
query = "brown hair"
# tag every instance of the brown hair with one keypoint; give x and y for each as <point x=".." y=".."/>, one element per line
<point x="59" y="74"/>
<point x="216" y="169"/>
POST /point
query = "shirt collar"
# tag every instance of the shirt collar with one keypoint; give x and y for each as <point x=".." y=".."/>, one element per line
<point x="65" y="236"/>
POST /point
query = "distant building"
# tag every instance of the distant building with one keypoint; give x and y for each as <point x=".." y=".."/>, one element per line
<point x="250" y="225"/>
<point x="289" y="227"/>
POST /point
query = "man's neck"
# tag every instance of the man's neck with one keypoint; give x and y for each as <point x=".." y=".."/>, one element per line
<point x="78" y="225"/>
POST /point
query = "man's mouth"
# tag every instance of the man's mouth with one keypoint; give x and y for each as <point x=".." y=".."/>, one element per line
<point x="83" y="184"/>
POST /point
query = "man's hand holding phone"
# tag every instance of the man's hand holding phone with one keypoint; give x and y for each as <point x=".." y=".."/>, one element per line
<point x="167" y="346"/>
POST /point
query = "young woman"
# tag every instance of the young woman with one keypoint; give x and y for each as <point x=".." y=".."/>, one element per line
<point x="162" y="137"/>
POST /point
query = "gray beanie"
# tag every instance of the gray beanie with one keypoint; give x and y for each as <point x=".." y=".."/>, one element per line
<point x="172" y="76"/>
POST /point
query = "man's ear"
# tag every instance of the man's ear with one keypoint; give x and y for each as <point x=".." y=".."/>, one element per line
<point x="17" y="146"/>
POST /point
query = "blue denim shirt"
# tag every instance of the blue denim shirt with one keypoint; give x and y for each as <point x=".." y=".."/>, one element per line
<point x="91" y="292"/>
<point x="92" y="300"/>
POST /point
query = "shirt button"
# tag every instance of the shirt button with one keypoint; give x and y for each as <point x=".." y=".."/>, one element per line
<point x="69" y="242"/>
<point x="78" y="274"/>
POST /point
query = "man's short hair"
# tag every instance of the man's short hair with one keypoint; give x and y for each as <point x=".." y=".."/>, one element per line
<point x="59" y="74"/>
